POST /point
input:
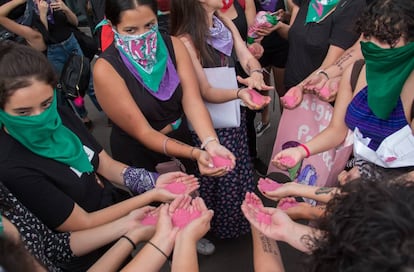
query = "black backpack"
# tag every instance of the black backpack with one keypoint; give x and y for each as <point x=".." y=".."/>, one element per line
<point x="74" y="80"/>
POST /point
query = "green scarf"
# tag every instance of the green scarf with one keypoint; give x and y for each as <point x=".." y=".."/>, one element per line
<point x="386" y="72"/>
<point x="45" y="136"/>
<point x="319" y="9"/>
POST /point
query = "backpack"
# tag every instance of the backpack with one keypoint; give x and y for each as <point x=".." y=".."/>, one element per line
<point x="74" y="80"/>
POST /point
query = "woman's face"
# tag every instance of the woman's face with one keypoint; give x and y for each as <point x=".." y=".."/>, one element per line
<point x="136" y="21"/>
<point x="30" y="100"/>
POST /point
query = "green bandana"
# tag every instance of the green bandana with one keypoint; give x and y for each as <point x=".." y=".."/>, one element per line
<point x="153" y="79"/>
<point x="45" y="136"/>
<point x="319" y="9"/>
<point x="386" y="72"/>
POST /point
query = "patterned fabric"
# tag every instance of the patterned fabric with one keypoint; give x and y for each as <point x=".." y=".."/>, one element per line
<point x="139" y="180"/>
<point x="225" y="194"/>
<point x="360" y="115"/>
<point x="48" y="247"/>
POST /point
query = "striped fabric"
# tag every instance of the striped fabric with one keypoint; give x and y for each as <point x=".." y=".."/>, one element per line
<point x="359" y="115"/>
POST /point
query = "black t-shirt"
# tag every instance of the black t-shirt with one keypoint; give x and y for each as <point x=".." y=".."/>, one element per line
<point x="48" y="188"/>
<point x="309" y="43"/>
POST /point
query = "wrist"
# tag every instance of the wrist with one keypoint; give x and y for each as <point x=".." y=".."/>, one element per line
<point x="324" y="73"/>
<point x="195" y="153"/>
<point x="208" y="141"/>
<point x="305" y="150"/>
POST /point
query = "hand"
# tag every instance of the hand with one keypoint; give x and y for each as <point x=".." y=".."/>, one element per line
<point x="329" y="90"/>
<point x="43" y="7"/>
<point x="265" y="31"/>
<point x="164" y="230"/>
<point x="256" y="49"/>
<point x="190" y="181"/>
<point x="206" y="167"/>
<point x="254" y="81"/>
<point x="247" y="99"/>
<point x="135" y="230"/>
<point x="58" y="5"/>
<point x="280" y="224"/>
<point x="216" y="149"/>
<point x="301" y="210"/>
<point x="315" y="81"/>
<point x="292" y="98"/>
<point x="196" y="229"/>
<point x="288" y="189"/>
<point x="295" y="153"/>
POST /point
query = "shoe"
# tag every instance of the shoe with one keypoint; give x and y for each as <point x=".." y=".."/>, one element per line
<point x="261" y="128"/>
<point x="260" y="167"/>
<point x="205" y="247"/>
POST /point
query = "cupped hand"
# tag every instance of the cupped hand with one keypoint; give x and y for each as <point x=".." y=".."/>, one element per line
<point x="135" y="229"/>
<point x="254" y="81"/>
<point x="293" y="97"/>
<point x="256" y="49"/>
<point x="287" y="189"/>
<point x="43" y="7"/>
<point x="247" y="99"/>
<point x="216" y="149"/>
<point x="298" y="210"/>
<point x="206" y="167"/>
<point x="164" y="229"/>
<point x="315" y="81"/>
<point x="295" y="155"/>
<point x="329" y="90"/>
<point x="58" y="5"/>
<point x="190" y="181"/>
<point x="265" y="31"/>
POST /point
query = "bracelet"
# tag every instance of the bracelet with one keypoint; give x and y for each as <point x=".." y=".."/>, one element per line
<point x="162" y="252"/>
<point x="306" y="150"/>
<point x="257" y="71"/>
<point x="207" y="140"/>
<point x="323" y="73"/>
<point x="238" y="91"/>
<point x="130" y="241"/>
<point x="164" y="146"/>
<point x="191" y="152"/>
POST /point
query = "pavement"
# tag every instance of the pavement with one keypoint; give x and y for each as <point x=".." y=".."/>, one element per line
<point x="231" y="254"/>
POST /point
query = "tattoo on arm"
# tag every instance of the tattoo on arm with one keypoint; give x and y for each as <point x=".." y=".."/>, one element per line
<point x="269" y="245"/>
<point x="344" y="58"/>
<point x="324" y="190"/>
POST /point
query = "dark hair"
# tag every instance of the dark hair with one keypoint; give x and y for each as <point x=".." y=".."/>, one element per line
<point x="19" y="66"/>
<point x="114" y="8"/>
<point x="14" y="257"/>
<point x="189" y="17"/>
<point x="388" y="20"/>
<point x="368" y="227"/>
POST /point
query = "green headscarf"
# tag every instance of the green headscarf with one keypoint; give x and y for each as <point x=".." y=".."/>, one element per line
<point x="319" y="9"/>
<point x="386" y="72"/>
<point x="46" y="136"/>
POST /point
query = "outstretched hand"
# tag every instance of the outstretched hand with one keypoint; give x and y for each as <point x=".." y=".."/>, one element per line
<point x="254" y="81"/>
<point x="190" y="181"/>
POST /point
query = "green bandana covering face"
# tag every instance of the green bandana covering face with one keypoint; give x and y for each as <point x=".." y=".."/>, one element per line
<point x="386" y="72"/>
<point x="45" y="136"/>
<point x="133" y="48"/>
<point x="319" y="9"/>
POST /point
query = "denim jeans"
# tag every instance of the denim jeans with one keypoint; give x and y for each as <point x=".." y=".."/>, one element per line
<point x="57" y="55"/>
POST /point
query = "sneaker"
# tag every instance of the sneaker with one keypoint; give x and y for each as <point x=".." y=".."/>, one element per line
<point x="261" y="128"/>
<point x="260" y="167"/>
<point x="205" y="247"/>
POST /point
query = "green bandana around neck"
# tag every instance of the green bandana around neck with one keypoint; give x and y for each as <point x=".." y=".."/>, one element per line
<point x="151" y="80"/>
<point x="319" y="9"/>
<point x="386" y="72"/>
<point x="46" y="136"/>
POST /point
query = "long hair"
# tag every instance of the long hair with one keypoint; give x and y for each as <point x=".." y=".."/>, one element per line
<point x="189" y="17"/>
<point x="114" y="8"/>
<point x="388" y="20"/>
<point x="19" y="65"/>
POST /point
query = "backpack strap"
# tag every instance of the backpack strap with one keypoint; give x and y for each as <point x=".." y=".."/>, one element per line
<point x="412" y="111"/>
<point x="356" y="70"/>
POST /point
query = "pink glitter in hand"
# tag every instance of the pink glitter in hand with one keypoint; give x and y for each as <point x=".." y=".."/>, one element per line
<point x="149" y="220"/>
<point x="182" y="217"/>
<point x="264" y="218"/>
<point x="324" y="92"/>
<point x="176" y="187"/>
<point x="288" y="204"/>
<point x="287" y="161"/>
<point x="221" y="161"/>
<point x="266" y="185"/>
<point x="289" y="100"/>
<point x="256" y="97"/>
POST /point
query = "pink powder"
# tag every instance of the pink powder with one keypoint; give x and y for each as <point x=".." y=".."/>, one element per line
<point x="176" y="187"/>
<point x="220" y="162"/>
<point x="324" y="92"/>
<point x="149" y="220"/>
<point x="390" y="159"/>
<point x="266" y="185"/>
<point x="289" y="100"/>
<point x="256" y="97"/>
<point x="264" y="218"/>
<point x="287" y="161"/>
<point x="287" y="205"/>
<point x="182" y="217"/>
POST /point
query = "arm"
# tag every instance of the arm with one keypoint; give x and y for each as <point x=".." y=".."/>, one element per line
<point x="266" y="254"/>
<point x="43" y="7"/>
<point x="250" y="12"/>
<point x="60" y="5"/>
<point x="282" y="28"/>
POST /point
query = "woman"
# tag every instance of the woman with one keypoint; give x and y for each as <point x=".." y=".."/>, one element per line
<point x="380" y="107"/>
<point x="52" y="164"/>
<point x="193" y="21"/>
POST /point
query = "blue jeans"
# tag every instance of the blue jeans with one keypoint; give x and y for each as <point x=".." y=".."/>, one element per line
<point x="57" y="55"/>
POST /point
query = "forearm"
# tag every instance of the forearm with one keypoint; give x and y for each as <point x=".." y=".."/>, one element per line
<point x="321" y="194"/>
<point x="199" y="118"/>
<point x="6" y="8"/>
<point x="185" y="256"/>
<point x="329" y="138"/>
<point x="299" y="235"/>
<point x="70" y="16"/>
<point x="283" y="30"/>
<point x="266" y="254"/>
<point x="345" y="60"/>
